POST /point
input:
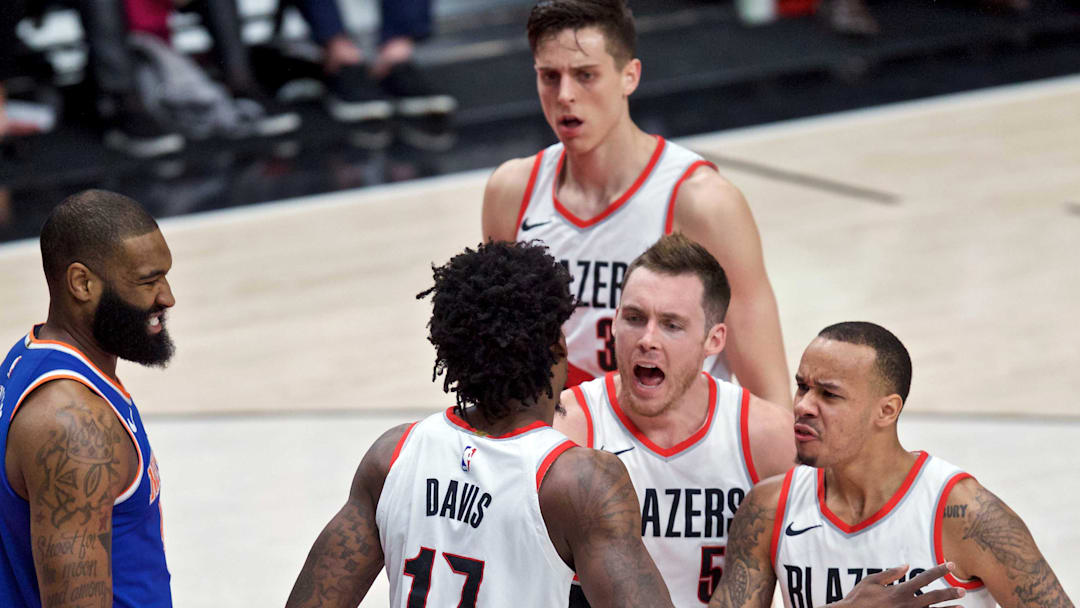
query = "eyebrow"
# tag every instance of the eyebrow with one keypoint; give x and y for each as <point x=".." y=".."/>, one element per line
<point x="150" y="275"/>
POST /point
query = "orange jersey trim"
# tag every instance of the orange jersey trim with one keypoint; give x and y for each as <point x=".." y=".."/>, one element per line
<point x="744" y="434"/>
<point x="781" y="513"/>
<point x="400" y="444"/>
<point x="939" y="514"/>
<point x="882" y="512"/>
<point x="580" y="223"/>
<point x="528" y="190"/>
<point x="114" y="383"/>
<point x="580" y="396"/>
<point x="457" y="420"/>
<point x="636" y="432"/>
<point x="669" y="223"/>
<point x="550" y="459"/>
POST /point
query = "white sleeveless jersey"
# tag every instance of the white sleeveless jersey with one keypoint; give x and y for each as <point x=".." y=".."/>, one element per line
<point x="459" y="517"/>
<point x="818" y="558"/>
<point x="688" y="493"/>
<point x="598" y="250"/>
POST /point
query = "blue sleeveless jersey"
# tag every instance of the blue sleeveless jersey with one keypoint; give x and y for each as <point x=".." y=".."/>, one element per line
<point x="140" y="577"/>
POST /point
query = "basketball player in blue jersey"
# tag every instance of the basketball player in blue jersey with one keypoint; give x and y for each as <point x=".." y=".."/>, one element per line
<point x="79" y="505"/>
<point x="607" y="190"/>
<point x="485" y="504"/>
<point x="860" y="501"/>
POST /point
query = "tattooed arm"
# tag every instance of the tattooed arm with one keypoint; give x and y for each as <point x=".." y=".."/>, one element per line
<point x="988" y="541"/>
<point x="347" y="555"/>
<point x="70" y="458"/>
<point x="592" y="516"/>
<point x="748" y="579"/>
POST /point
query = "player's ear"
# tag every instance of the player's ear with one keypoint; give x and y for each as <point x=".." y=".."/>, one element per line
<point x="631" y="75"/>
<point x="715" y="339"/>
<point x="81" y="282"/>
<point x="888" y="410"/>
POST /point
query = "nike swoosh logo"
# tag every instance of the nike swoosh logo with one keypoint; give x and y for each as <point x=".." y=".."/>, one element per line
<point x="526" y="226"/>
<point x="793" y="532"/>
<point x="623" y="451"/>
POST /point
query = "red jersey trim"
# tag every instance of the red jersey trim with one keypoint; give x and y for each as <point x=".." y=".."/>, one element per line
<point x="939" y="514"/>
<point x="580" y="396"/>
<point x="781" y="513"/>
<point x="457" y="420"/>
<point x="113" y="383"/>
<point x="550" y="459"/>
<point x="669" y="223"/>
<point x="882" y="512"/>
<point x="580" y="223"/>
<point x="400" y="444"/>
<point x="528" y="190"/>
<point x="697" y="436"/>
<point x="575" y="375"/>
<point x="744" y="435"/>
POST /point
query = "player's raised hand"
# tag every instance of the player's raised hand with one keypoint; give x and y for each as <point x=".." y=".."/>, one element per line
<point x="877" y="590"/>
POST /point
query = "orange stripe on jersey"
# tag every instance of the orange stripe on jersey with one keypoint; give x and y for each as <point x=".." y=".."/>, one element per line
<point x="114" y="383"/>
<point x="781" y="513"/>
<point x="580" y="396"/>
<point x="528" y="190"/>
<point x="744" y="433"/>
<point x="939" y="514"/>
<point x="459" y="421"/>
<point x="669" y="223"/>
<point x="550" y="459"/>
<point x="400" y="444"/>
<point x="648" y="443"/>
<point x="61" y="376"/>
<point x="882" y="512"/>
<point x="580" y="223"/>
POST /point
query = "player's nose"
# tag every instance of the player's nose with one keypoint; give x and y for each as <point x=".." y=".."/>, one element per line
<point x="165" y="296"/>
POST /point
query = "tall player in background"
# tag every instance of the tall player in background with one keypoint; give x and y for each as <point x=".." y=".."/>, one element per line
<point x="608" y="190"/>
<point x="862" y="502"/>
<point x="486" y="504"/>
<point x="79" y="508"/>
<point x="694" y="444"/>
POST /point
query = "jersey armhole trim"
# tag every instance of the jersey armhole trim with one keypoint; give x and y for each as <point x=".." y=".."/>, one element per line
<point x="744" y="434"/>
<point x="529" y="190"/>
<point x="669" y="220"/>
<point x="400" y="444"/>
<point x="939" y="550"/>
<point x="548" y="460"/>
<point x="781" y="514"/>
<point x="580" y="395"/>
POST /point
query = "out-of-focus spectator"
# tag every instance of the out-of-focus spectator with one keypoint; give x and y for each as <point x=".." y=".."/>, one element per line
<point x="854" y="18"/>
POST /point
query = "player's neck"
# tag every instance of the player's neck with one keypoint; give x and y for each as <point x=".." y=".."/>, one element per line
<point x="858" y="489"/>
<point x="592" y="179"/>
<point x="678" y="421"/>
<point x="519" y="417"/>
<point x="60" y="328"/>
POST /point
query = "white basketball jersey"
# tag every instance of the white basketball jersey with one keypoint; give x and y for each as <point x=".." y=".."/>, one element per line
<point x="818" y="558"/>
<point x="689" y="492"/>
<point x="598" y="250"/>
<point x="459" y="517"/>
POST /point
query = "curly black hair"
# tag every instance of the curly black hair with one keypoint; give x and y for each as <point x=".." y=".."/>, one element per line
<point x="497" y="313"/>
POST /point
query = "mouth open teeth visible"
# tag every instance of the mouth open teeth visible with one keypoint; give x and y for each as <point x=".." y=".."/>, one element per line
<point x="648" y="374"/>
<point x="155" y="321"/>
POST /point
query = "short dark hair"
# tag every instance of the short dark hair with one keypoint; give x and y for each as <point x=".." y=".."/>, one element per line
<point x="88" y="227"/>
<point x="676" y="254"/>
<point x="612" y="17"/>
<point x="497" y="316"/>
<point x="891" y="358"/>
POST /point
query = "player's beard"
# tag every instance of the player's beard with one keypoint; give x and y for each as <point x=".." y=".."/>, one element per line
<point x="121" y="329"/>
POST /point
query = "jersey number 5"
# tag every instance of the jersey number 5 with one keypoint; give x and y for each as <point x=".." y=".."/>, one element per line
<point x="710" y="572"/>
<point x="419" y="568"/>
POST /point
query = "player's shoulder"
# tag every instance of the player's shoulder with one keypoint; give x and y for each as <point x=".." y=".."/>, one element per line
<point x="503" y="197"/>
<point x="706" y="198"/>
<point x="766" y="493"/>
<point x="511" y="175"/>
<point x="45" y="403"/>
<point x="769" y="419"/>
<point x="374" y="467"/>
<point x="580" y="473"/>
<point x="572" y="420"/>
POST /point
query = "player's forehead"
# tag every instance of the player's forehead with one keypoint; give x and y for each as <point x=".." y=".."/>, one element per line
<point x="837" y="363"/>
<point x="651" y="291"/>
<point x="142" y="256"/>
<point x="573" y="48"/>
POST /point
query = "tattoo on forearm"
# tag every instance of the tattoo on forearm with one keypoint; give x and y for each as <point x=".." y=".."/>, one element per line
<point x="1002" y="533"/>
<point x="745" y="580"/>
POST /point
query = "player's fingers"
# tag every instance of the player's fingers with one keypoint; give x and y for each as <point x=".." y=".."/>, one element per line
<point x="925" y="578"/>
<point x="889" y="576"/>
<point x="938" y="595"/>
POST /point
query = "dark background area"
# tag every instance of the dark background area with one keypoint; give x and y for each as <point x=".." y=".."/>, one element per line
<point x="703" y="71"/>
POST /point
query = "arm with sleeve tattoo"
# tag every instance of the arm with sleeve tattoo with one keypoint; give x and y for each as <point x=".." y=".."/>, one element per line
<point x="748" y="579"/>
<point x="347" y="555"/>
<point x="989" y="541"/>
<point x="592" y="515"/>
<point x="72" y="458"/>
